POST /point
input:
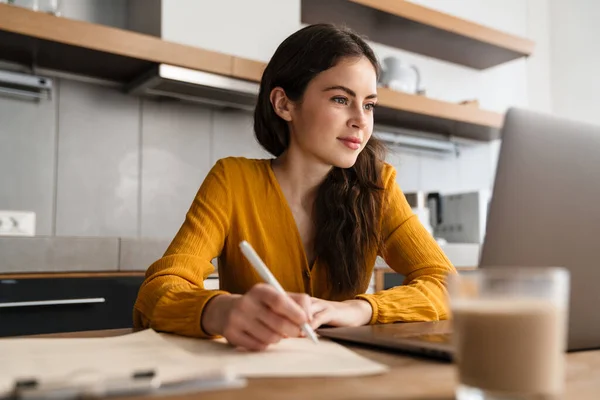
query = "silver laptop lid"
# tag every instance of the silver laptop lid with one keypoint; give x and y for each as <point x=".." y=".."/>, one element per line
<point x="545" y="209"/>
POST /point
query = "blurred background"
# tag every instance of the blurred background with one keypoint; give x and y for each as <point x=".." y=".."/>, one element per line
<point x="106" y="135"/>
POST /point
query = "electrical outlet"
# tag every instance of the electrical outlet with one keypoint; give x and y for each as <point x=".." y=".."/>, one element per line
<point x="17" y="223"/>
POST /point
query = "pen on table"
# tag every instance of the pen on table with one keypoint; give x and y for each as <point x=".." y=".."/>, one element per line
<point x="264" y="272"/>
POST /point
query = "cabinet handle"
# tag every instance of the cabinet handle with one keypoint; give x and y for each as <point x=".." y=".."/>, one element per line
<point x="53" y="302"/>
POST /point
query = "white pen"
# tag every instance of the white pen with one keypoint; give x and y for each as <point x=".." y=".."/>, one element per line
<point x="264" y="272"/>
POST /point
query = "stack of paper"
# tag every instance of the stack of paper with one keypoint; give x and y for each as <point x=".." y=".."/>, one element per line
<point x="55" y="360"/>
<point x="172" y="358"/>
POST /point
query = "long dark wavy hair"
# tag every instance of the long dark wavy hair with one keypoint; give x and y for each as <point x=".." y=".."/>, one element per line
<point x="348" y="203"/>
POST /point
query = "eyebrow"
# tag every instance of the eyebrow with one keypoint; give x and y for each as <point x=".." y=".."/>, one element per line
<point x="349" y="91"/>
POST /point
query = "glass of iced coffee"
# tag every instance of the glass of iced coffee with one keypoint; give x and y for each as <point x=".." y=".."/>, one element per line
<point x="509" y="332"/>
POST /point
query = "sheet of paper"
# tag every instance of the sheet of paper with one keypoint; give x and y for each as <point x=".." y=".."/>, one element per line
<point x="51" y="359"/>
<point x="289" y="358"/>
<point x="172" y="357"/>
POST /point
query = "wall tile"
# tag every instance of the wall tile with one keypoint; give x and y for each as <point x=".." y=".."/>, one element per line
<point x="408" y="169"/>
<point x="56" y="254"/>
<point x="233" y="135"/>
<point x="139" y="254"/>
<point x="27" y="158"/>
<point x="98" y="150"/>
<point x="474" y="168"/>
<point x="176" y="141"/>
<point x="439" y="173"/>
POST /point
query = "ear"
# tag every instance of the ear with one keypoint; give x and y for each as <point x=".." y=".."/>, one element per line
<point x="281" y="104"/>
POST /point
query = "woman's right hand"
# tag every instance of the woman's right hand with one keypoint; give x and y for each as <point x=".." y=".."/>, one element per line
<point x="258" y="318"/>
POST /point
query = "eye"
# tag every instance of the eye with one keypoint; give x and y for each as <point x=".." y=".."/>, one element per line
<point x="370" y="106"/>
<point x="340" y="100"/>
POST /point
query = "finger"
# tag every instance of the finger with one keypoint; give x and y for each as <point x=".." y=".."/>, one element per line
<point x="320" y="318"/>
<point x="254" y="307"/>
<point x="279" y="324"/>
<point x="281" y="304"/>
<point x="249" y="318"/>
<point x="303" y="300"/>
<point x="245" y="340"/>
<point x="262" y="332"/>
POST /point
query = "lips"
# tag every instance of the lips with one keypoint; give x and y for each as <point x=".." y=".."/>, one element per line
<point x="351" y="142"/>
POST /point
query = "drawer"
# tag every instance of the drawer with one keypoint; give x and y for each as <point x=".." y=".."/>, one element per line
<point x="51" y="305"/>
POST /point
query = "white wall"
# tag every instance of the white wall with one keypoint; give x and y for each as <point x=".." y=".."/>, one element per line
<point x="575" y="59"/>
<point x="538" y="64"/>
<point x="247" y="28"/>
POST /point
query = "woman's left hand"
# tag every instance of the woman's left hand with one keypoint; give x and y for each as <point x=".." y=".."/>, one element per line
<point x="340" y="313"/>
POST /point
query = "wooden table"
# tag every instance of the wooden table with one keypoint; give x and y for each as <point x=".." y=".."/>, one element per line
<point x="408" y="378"/>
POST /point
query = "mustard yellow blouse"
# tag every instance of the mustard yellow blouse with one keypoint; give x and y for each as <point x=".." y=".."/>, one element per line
<point x="240" y="199"/>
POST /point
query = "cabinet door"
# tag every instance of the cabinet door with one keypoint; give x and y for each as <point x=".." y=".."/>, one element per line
<point x="52" y="305"/>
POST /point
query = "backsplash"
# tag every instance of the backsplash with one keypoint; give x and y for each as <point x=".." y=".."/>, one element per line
<point x="75" y="254"/>
<point x="64" y="254"/>
<point x="94" y="162"/>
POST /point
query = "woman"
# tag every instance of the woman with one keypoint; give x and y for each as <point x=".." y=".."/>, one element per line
<point x="318" y="214"/>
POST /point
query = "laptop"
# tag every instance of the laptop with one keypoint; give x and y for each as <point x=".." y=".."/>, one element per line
<point x="545" y="211"/>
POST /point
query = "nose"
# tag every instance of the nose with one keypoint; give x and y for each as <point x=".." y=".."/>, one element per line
<point x="359" y="118"/>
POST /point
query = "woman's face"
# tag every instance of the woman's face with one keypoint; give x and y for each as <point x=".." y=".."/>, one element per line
<point x="334" y="120"/>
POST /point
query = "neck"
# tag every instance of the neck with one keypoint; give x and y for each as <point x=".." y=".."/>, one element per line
<point x="299" y="176"/>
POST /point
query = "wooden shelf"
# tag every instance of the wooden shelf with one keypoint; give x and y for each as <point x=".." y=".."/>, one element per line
<point x="436" y="116"/>
<point x="422" y="30"/>
<point x="247" y="69"/>
<point x="34" y="38"/>
<point x="41" y="40"/>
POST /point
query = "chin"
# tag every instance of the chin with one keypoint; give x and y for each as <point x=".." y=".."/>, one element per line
<point x="343" y="160"/>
